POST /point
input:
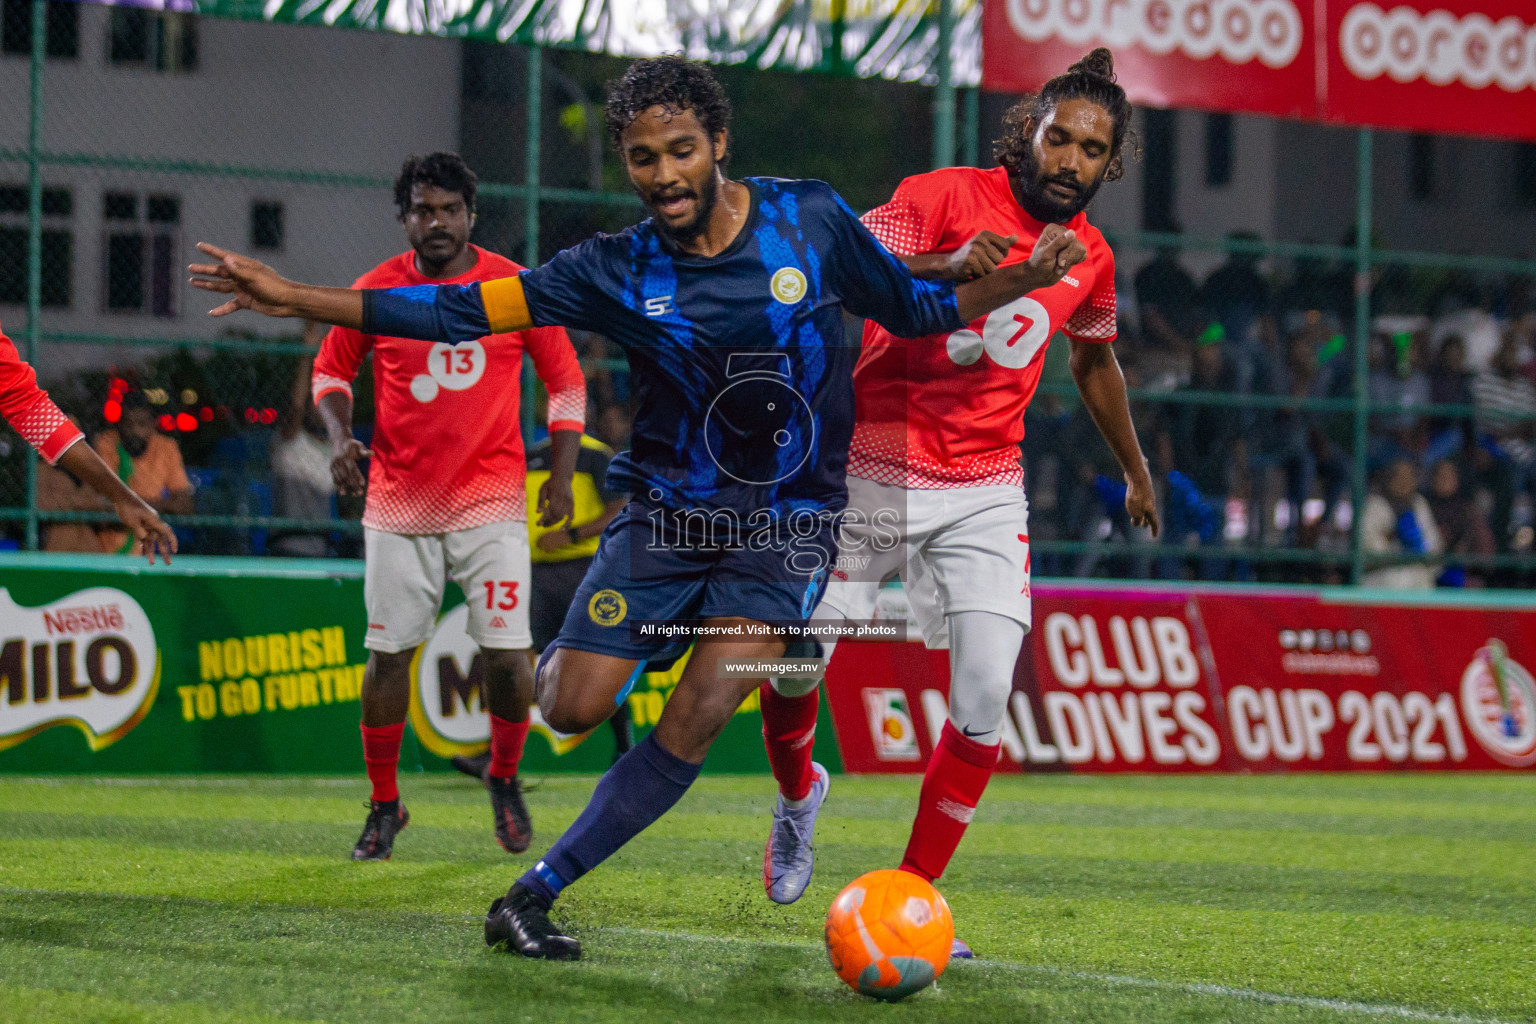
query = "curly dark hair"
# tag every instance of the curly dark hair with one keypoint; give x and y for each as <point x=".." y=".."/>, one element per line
<point x="1092" y="79"/>
<point x="670" y="82"/>
<point x="447" y="171"/>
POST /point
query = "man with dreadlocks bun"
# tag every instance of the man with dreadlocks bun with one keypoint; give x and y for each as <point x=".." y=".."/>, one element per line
<point x="729" y="301"/>
<point x="935" y="451"/>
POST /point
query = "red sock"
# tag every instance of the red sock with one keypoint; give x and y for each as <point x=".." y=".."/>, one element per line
<point x="507" y="739"/>
<point x="952" y="786"/>
<point x="789" y="733"/>
<point x="381" y="753"/>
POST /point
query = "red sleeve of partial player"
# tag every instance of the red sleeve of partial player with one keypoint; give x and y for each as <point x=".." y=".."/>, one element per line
<point x="341" y="355"/>
<point x="29" y="410"/>
<point x="554" y="360"/>
<point x="1094" y="319"/>
<point x="913" y="221"/>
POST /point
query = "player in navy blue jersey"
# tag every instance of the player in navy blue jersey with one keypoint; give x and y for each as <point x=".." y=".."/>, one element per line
<point x="729" y="303"/>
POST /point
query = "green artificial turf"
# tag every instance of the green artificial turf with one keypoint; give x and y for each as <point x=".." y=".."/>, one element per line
<point x="1215" y="898"/>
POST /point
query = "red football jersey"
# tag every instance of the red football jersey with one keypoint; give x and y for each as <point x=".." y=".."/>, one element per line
<point x="447" y="444"/>
<point x="948" y="410"/>
<point x="29" y="410"/>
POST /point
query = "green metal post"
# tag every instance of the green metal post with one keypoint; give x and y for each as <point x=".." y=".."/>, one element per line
<point x="1362" y="392"/>
<point x="944" y="93"/>
<point x="532" y="147"/>
<point x="532" y="153"/>
<point x="35" y="233"/>
<point x="970" y="138"/>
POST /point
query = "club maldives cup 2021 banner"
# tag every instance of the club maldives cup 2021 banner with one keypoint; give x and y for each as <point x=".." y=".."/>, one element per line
<point x="1459" y="66"/>
<point x="1116" y="679"/>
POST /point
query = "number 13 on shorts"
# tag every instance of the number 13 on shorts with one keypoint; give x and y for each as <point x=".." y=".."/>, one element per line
<point x="508" y="594"/>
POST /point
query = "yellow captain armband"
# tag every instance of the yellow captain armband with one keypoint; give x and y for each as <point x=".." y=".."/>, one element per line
<point x="506" y="308"/>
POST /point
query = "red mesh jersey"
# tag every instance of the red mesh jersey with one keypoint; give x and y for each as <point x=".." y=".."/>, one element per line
<point x="29" y="410"/>
<point x="948" y="410"/>
<point x="447" y="449"/>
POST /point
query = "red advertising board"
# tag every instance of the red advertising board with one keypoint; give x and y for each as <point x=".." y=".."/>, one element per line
<point x="1248" y="55"/>
<point x="1132" y="679"/>
<point x="1460" y="66"/>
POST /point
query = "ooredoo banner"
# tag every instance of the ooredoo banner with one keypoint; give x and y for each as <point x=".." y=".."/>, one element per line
<point x="1241" y="55"/>
<point x="1459" y="66"/>
<point x="1133" y="679"/>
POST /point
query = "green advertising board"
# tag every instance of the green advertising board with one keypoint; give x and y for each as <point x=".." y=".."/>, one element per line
<point x="246" y="665"/>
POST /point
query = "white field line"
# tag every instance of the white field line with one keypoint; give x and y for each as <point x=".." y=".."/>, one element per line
<point x="1250" y="995"/>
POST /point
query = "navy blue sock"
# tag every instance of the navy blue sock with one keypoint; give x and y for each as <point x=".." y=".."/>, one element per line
<point x="640" y="787"/>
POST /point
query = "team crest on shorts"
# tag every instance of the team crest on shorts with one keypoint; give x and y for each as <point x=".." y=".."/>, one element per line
<point x="788" y="285"/>
<point x="607" y="608"/>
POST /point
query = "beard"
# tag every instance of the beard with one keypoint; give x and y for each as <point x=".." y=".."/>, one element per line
<point x="133" y="444"/>
<point x="1029" y="189"/>
<point x="706" y="197"/>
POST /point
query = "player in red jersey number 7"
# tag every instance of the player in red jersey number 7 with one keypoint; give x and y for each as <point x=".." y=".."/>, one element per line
<point x="935" y="491"/>
<point x="445" y="492"/>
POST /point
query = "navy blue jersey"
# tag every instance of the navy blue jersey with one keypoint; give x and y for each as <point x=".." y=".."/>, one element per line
<point x="741" y="375"/>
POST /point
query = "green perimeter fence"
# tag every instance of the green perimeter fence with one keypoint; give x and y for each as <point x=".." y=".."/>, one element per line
<point x="1273" y="397"/>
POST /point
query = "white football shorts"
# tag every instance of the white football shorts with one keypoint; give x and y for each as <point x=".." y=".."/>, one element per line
<point x="956" y="549"/>
<point x="404" y="576"/>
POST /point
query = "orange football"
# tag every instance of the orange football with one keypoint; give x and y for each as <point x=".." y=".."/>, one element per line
<point x="889" y="934"/>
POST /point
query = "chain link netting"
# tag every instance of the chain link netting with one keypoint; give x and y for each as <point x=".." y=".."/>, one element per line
<point x="159" y="130"/>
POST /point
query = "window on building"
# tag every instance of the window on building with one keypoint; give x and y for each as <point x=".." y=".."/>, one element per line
<point x="163" y="40"/>
<point x="142" y="241"/>
<point x="62" y="26"/>
<point x="266" y="225"/>
<point x="57" y="245"/>
<point x="1218" y="150"/>
<point x="1525" y="173"/>
<point x="1421" y="166"/>
<point x="1160" y="141"/>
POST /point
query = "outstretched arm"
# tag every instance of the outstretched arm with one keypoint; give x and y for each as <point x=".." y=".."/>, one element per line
<point x="448" y="313"/>
<point x="81" y="459"/>
<point x="1102" y="386"/>
<point x="978" y="257"/>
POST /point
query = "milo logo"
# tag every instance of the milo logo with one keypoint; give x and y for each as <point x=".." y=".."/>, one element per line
<point x="86" y="660"/>
<point x="1498" y="700"/>
<point x="448" y="711"/>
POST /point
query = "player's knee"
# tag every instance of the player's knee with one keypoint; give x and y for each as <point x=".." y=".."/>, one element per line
<point x="793" y="686"/>
<point x="565" y="708"/>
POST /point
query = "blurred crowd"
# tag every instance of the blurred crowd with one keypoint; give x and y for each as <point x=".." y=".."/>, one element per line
<point x="1243" y="390"/>
<point x="1262" y="490"/>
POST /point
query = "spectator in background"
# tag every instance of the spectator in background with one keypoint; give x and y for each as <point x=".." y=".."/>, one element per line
<point x="1463" y="528"/>
<point x="1397" y="379"/>
<point x="59" y="490"/>
<point x="1398" y="521"/>
<point x="1450" y="383"/>
<point x="1505" y="400"/>
<point x="148" y="462"/>
<point x="1237" y="296"/>
<point x="1479" y="330"/>
<point x="1198" y="446"/>
<point x="1296" y="441"/>
<point x="1168" y="302"/>
<point x="302" y="487"/>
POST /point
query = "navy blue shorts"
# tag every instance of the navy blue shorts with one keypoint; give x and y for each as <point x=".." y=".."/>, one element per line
<point x="638" y="586"/>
